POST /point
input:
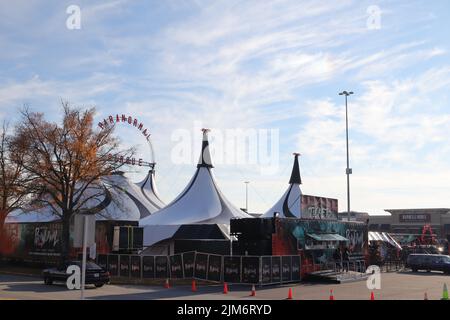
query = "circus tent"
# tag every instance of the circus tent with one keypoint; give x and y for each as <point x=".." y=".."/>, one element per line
<point x="201" y="202"/>
<point x="289" y="205"/>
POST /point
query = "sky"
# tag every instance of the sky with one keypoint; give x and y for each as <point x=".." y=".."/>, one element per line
<point x="273" y="68"/>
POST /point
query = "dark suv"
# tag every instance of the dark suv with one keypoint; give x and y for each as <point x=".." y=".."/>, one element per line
<point x="429" y="262"/>
<point x="94" y="274"/>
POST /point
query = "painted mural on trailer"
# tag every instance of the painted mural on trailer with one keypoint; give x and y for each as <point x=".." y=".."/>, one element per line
<point x="293" y="236"/>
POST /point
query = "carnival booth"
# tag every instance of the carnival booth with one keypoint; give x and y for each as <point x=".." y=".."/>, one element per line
<point x="301" y="225"/>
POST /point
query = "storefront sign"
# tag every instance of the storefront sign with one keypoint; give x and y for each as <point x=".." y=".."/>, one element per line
<point x="423" y="217"/>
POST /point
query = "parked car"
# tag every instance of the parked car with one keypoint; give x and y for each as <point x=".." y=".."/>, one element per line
<point x="428" y="262"/>
<point x="94" y="274"/>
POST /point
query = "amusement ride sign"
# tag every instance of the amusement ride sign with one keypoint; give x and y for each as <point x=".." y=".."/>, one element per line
<point x="133" y="122"/>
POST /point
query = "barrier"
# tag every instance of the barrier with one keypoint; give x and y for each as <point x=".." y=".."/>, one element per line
<point x="262" y="270"/>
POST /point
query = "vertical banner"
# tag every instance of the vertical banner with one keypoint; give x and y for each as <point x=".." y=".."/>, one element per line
<point x="201" y="264"/>
<point x="214" y="268"/>
<point x="286" y="269"/>
<point x="176" y="266"/>
<point x="162" y="267"/>
<point x="102" y="261"/>
<point x="276" y="269"/>
<point x="136" y="266"/>
<point x="296" y="268"/>
<point x="266" y="269"/>
<point x="232" y="269"/>
<point x="188" y="264"/>
<point x="148" y="267"/>
<point x="113" y="265"/>
<point x="250" y="269"/>
<point x="124" y="263"/>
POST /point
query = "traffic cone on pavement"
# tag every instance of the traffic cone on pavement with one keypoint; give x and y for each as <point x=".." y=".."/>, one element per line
<point x="331" y="295"/>
<point x="194" y="286"/>
<point x="290" y="294"/>
<point x="253" y="293"/>
<point x="372" y="296"/>
<point x="425" y="296"/>
<point x="166" y="284"/>
<point x="225" y="288"/>
<point x="445" y="292"/>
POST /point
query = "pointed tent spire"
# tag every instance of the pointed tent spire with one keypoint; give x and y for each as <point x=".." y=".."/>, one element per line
<point x="150" y="192"/>
<point x="289" y="205"/>
<point x="205" y="155"/>
<point x="295" y="175"/>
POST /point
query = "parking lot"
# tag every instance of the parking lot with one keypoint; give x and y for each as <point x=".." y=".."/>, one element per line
<point x="394" y="286"/>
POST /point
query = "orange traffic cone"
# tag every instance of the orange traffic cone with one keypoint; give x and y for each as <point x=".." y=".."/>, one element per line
<point x="372" y="296"/>
<point x="194" y="286"/>
<point x="253" y="293"/>
<point x="425" y="296"/>
<point x="166" y="284"/>
<point x="225" y="288"/>
<point x="331" y="295"/>
<point x="290" y="294"/>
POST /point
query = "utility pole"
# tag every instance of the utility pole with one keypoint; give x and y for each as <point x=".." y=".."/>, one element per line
<point x="348" y="171"/>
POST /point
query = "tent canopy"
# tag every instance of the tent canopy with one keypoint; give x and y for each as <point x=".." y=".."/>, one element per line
<point x="384" y="237"/>
<point x="327" y="237"/>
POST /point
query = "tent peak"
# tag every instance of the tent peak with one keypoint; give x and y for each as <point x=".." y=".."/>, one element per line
<point x="205" y="156"/>
<point x="295" y="175"/>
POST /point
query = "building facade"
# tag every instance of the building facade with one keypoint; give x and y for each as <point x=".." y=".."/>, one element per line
<point x="412" y="221"/>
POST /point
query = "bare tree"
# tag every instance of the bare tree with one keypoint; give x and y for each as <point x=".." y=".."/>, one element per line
<point x="15" y="182"/>
<point x="67" y="161"/>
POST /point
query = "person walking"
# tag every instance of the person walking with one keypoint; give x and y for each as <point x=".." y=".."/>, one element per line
<point x="346" y="258"/>
<point x="337" y="257"/>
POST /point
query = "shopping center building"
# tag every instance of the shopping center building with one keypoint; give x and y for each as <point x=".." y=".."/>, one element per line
<point x="412" y="221"/>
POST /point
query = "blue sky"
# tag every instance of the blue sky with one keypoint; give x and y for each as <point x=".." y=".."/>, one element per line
<point x="253" y="65"/>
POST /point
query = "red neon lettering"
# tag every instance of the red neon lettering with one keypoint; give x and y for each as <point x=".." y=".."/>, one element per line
<point x="135" y="122"/>
<point x="101" y="125"/>
<point x="140" y="126"/>
<point x="145" y="132"/>
<point x="111" y="119"/>
<point x="140" y="162"/>
<point x="117" y="118"/>
<point x="124" y="118"/>
<point x="130" y="120"/>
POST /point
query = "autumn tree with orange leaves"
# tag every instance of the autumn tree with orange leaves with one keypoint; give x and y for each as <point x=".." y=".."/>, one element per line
<point x="67" y="162"/>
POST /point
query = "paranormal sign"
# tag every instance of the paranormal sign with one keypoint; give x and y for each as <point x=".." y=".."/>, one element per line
<point x="135" y="123"/>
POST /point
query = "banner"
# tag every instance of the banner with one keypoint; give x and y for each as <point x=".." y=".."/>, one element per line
<point x="250" y="269"/>
<point x="296" y="268"/>
<point x="215" y="268"/>
<point x="136" y="266"/>
<point x="102" y="261"/>
<point x="266" y="263"/>
<point x="188" y="264"/>
<point x="113" y="265"/>
<point x="286" y="269"/>
<point x="124" y="265"/>
<point x="232" y="269"/>
<point x="148" y="267"/>
<point x="276" y="269"/>
<point x="201" y="263"/>
<point x="176" y="267"/>
<point x="319" y="208"/>
<point x="162" y="267"/>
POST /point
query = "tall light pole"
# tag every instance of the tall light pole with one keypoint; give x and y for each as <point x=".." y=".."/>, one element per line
<point x="348" y="171"/>
<point x="246" y="195"/>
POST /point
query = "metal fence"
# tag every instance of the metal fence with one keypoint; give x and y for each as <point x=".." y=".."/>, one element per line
<point x="261" y="270"/>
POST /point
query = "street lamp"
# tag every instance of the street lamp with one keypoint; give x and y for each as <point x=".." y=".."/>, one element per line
<point x="246" y="195"/>
<point x="348" y="171"/>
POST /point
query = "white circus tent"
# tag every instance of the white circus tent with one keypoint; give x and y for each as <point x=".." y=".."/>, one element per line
<point x="115" y="197"/>
<point x="289" y="205"/>
<point x="201" y="202"/>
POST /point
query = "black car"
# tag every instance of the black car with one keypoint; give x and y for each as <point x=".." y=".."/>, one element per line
<point x="429" y="262"/>
<point x="94" y="274"/>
